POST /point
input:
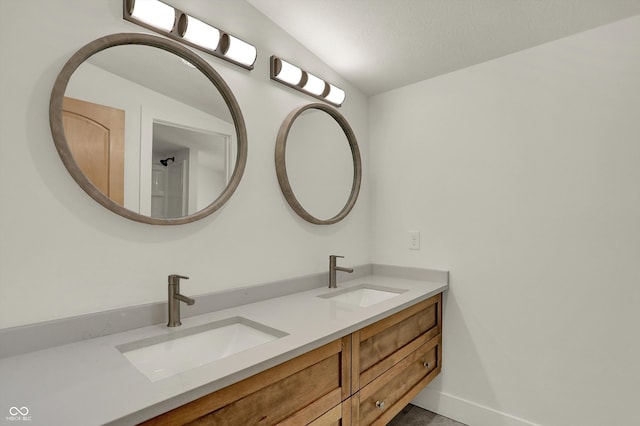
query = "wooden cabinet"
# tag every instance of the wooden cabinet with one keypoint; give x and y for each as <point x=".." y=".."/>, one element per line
<point x="308" y="389"/>
<point x="393" y="360"/>
<point x="382" y="344"/>
<point x="383" y="398"/>
<point x="365" y="378"/>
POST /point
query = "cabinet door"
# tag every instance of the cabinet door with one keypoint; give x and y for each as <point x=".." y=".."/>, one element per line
<point x="381" y="345"/>
<point x="383" y="398"/>
<point x="295" y="392"/>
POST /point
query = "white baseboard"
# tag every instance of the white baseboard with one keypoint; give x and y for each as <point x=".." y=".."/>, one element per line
<point x="464" y="411"/>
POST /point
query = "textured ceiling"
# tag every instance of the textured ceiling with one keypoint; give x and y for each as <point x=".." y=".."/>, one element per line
<point x="380" y="45"/>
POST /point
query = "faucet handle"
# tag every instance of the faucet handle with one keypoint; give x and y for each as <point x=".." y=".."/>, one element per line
<point x="173" y="278"/>
<point x="336" y="257"/>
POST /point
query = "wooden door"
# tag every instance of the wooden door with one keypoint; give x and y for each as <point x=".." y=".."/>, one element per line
<point x="95" y="134"/>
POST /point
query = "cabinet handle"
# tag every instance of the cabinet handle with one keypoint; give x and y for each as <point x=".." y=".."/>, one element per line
<point x="426" y="364"/>
<point x="380" y="405"/>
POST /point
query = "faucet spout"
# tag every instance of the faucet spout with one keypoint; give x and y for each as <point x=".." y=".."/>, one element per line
<point x="189" y="301"/>
<point x="333" y="267"/>
<point x="174" y="300"/>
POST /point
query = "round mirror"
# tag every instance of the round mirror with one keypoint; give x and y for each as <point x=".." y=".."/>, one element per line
<point x="318" y="163"/>
<point x="148" y="129"/>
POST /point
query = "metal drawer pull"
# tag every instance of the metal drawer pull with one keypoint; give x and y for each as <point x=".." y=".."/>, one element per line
<point x="380" y="404"/>
<point x="426" y="364"/>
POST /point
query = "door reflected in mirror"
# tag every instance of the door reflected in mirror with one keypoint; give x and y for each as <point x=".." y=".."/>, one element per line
<point x="95" y="134"/>
<point x="159" y="137"/>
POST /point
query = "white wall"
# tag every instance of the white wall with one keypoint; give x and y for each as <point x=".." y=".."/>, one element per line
<point x="523" y="176"/>
<point x="62" y="254"/>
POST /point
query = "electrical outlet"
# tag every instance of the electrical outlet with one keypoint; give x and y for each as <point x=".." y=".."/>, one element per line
<point x="414" y="240"/>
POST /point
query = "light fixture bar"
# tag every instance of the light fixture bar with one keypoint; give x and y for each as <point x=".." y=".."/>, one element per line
<point x="290" y="75"/>
<point x="178" y="25"/>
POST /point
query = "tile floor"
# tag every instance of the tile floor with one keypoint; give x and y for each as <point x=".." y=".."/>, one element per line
<point x="416" y="416"/>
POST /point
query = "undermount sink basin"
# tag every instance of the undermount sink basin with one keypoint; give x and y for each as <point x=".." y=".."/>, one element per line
<point x="362" y="295"/>
<point x="163" y="356"/>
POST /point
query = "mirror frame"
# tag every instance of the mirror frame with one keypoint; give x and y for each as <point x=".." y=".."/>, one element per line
<point x="281" y="168"/>
<point x="60" y="140"/>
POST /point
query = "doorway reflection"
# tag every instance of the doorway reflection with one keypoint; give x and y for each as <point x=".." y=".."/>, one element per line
<point x="188" y="167"/>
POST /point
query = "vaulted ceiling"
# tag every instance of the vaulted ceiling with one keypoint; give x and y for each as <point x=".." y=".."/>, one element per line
<point x="379" y="45"/>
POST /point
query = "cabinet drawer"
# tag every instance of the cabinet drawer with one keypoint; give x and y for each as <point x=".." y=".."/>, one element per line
<point x="383" y="398"/>
<point x="382" y="344"/>
<point x="295" y="392"/>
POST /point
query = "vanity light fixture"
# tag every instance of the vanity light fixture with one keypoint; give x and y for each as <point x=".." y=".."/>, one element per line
<point x="296" y="78"/>
<point x="176" y="24"/>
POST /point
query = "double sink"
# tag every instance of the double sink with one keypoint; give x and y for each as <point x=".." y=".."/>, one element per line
<point x="166" y="355"/>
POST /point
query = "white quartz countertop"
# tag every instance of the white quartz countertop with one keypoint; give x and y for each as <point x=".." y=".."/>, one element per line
<point x="92" y="383"/>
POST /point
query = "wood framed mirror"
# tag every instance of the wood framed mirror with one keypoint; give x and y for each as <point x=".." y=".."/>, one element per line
<point x="318" y="163"/>
<point x="148" y="129"/>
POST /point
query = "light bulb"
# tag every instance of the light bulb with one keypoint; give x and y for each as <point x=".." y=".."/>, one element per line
<point x="336" y="95"/>
<point x="314" y="85"/>
<point x="240" y="51"/>
<point x="289" y="73"/>
<point x="154" y="13"/>
<point x="202" y="34"/>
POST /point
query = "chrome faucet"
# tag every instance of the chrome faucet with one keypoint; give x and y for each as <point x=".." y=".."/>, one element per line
<point x="174" y="300"/>
<point x="333" y="268"/>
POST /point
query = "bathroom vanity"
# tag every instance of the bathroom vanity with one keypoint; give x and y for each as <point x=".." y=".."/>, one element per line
<point x="364" y="378"/>
<point x="354" y="355"/>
